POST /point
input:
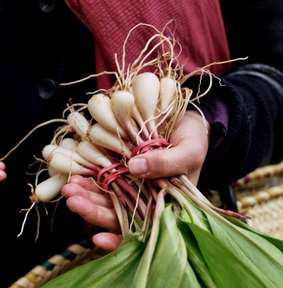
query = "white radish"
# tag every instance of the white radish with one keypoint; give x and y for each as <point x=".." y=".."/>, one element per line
<point x="146" y="91"/>
<point x="50" y="150"/>
<point x="101" y="137"/>
<point x="93" y="154"/>
<point x="52" y="171"/>
<point x="67" y="165"/>
<point x="168" y="89"/>
<point x="138" y="118"/>
<point x="69" y="143"/>
<point x="99" y="107"/>
<point x="79" y="123"/>
<point x="50" y="188"/>
<point x="122" y="103"/>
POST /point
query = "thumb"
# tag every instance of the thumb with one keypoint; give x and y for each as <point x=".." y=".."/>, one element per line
<point x="182" y="159"/>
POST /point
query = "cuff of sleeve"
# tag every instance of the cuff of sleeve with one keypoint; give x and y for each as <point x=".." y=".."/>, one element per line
<point x="213" y="107"/>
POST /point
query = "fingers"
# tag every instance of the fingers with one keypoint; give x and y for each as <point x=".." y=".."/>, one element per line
<point x="3" y="174"/>
<point x="93" y="207"/>
<point x="190" y="143"/>
<point x="93" y="214"/>
<point x="182" y="159"/>
<point x="85" y="182"/>
<point x="73" y="189"/>
<point x="2" y="165"/>
<point x="157" y="164"/>
<point x="107" y="241"/>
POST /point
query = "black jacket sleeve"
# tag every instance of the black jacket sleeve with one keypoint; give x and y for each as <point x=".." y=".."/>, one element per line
<point x="252" y="91"/>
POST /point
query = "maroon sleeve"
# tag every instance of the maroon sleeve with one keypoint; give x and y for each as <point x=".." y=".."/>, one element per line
<point x="216" y="113"/>
<point x="214" y="108"/>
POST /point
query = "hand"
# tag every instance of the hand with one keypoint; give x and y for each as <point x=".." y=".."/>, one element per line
<point x="190" y="145"/>
<point x="3" y="174"/>
<point x="96" y="208"/>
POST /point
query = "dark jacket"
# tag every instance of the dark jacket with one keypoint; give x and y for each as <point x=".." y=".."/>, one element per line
<point x="252" y="91"/>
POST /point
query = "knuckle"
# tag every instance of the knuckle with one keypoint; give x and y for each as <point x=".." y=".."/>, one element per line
<point x="197" y="156"/>
<point x="159" y="164"/>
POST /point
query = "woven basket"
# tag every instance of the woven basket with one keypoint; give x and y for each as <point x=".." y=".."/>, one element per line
<point x="259" y="195"/>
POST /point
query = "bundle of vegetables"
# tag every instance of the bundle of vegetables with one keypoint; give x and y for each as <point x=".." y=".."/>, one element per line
<point x="173" y="236"/>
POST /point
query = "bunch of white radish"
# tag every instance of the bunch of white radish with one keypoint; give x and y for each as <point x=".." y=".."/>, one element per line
<point x="120" y="122"/>
<point x="136" y="115"/>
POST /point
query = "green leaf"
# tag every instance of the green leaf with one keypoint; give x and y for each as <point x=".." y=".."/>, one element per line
<point x="170" y="267"/>
<point x="194" y="214"/>
<point x="227" y="270"/>
<point x="261" y="257"/>
<point x="117" y="266"/>
<point x="277" y="242"/>
<point x="195" y="257"/>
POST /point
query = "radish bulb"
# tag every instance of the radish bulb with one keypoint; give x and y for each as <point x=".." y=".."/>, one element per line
<point x="99" y="107"/>
<point x="101" y="137"/>
<point x="146" y="91"/>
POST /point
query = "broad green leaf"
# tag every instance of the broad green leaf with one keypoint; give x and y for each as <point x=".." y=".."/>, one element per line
<point x="195" y="257"/>
<point x="170" y="267"/>
<point x="261" y="257"/>
<point x="103" y="272"/>
<point x="227" y="270"/>
<point x="277" y="242"/>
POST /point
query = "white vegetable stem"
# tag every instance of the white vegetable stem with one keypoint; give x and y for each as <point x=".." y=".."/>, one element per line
<point x="99" y="107"/>
<point x="51" y="187"/>
<point x="93" y="154"/>
<point x="101" y="137"/>
<point x="50" y="150"/>
<point x="79" y="123"/>
<point x="146" y="92"/>
<point x="69" y="143"/>
<point x="52" y="171"/>
<point x="167" y="92"/>
<point x="66" y="165"/>
<point x="122" y="103"/>
<point x="138" y="118"/>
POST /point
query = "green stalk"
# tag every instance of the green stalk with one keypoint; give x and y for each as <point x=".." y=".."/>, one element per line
<point x="141" y="275"/>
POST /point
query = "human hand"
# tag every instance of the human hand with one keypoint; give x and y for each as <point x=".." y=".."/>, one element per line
<point x="190" y="145"/>
<point x="95" y="207"/>
<point x="3" y="174"/>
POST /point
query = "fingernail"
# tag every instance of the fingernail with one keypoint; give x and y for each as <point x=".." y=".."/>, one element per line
<point x="138" y="166"/>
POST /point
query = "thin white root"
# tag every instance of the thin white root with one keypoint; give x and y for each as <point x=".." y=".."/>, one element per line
<point x="25" y="218"/>
<point x="137" y="203"/>
<point x="197" y="71"/>
<point x="29" y="133"/>
<point x="92" y="76"/>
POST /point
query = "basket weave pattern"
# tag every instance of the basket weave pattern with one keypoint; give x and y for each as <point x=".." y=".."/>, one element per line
<point x="260" y="195"/>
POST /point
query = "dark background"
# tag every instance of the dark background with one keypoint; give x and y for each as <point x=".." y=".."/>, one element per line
<point x="41" y="45"/>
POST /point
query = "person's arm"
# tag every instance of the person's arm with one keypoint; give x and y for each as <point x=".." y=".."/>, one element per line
<point x="253" y="93"/>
